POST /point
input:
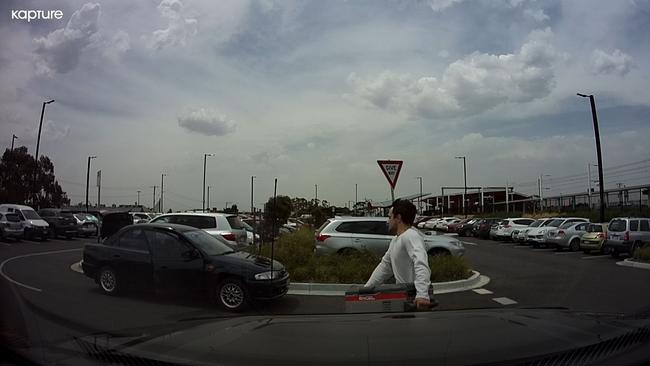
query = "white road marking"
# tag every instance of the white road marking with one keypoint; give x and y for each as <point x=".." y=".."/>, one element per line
<point x="469" y="243"/>
<point x="504" y="301"/>
<point x="596" y="256"/>
<point x="521" y="246"/>
<point x="2" y="265"/>
<point x="482" y="291"/>
<point x="560" y="253"/>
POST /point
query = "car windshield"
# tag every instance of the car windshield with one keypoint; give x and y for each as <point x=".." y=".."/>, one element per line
<point x="30" y="215"/>
<point x="617" y="225"/>
<point x="318" y="137"/>
<point x="207" y="243"/>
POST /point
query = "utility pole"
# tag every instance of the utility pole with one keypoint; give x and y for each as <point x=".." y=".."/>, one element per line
<point x="594" y="117"/>
<point x="153" y="201"/>
<point x="465" y="179"/>
<point x="99" y="188"/>
<point x="208" y="204"/>
<point x="253" y="206"/>
<point x="38" y="145"/>
<point x="507" y="199"/>
<point x="88" y="179"/>
<point x="316" y="195"/>
<point x="356" y="199"/>
<point x="162" y="184"/>
<point x="205" y="157"/>
<point x="138" y="197"/>
<point x="420" y="198"/>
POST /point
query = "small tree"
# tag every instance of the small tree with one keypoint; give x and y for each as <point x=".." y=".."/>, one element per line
<point x="280" y="210"/>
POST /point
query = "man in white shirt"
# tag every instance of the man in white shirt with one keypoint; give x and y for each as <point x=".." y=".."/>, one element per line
<point x="406" y="258"/>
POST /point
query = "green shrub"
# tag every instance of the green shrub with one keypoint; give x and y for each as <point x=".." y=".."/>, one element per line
<point x="642" y="254"/>
<point x="296" y="252"/>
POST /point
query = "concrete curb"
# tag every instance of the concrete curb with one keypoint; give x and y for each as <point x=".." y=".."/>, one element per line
<point x="477" y="280"/>
<point x="76" y="267"/>
<point x="634" y="264"/>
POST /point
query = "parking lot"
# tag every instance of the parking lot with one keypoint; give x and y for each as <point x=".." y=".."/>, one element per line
<point x="37" y="275"/>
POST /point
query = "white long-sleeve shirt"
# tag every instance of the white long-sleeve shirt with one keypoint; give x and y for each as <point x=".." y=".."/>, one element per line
<point x="406" y="259"/>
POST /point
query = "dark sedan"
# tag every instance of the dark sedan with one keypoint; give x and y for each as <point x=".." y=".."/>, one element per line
<point x="178" y="257"/>
<point x="482" y="230"/>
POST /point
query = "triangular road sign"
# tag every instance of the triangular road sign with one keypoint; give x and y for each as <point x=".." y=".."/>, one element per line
<point x="391" y="169"/>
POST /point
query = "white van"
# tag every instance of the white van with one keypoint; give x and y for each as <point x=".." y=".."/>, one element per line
<point x="35" y="226"/>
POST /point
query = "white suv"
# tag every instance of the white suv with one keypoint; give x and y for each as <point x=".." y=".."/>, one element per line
<point x="222" y="226"/>
<point x="507" y="226"/>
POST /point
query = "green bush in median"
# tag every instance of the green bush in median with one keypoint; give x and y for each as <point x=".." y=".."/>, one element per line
<point x="642" y="254"/>
<point x="296" y="252"/>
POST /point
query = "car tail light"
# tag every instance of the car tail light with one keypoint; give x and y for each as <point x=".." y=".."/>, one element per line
<point x="229" y="236"/>
<point x="626" y="237"/>
<point x="561" y="232"/>
<point x="322" y="237"/>
<point x="600" y="236"/>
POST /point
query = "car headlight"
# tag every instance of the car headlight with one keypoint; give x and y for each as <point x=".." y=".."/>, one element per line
<point x="267" y="275"/>
<point x="457" y="243"/>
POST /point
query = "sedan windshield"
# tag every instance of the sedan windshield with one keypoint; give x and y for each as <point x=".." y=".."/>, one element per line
<point x="556" y="223"/>
<point x="207" y="243"/>
<point x="31" y="215"/>
<point x="536" y="223"/>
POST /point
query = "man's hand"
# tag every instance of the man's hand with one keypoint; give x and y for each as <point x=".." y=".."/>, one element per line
<point x="422" y="304"/>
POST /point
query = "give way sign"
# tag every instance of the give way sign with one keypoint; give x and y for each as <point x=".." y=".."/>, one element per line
<point x="391" y="169"/>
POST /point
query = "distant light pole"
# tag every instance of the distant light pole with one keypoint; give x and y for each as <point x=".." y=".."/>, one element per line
<point x="88" y="179"/>
<point x="162" y="185"/>
<point x="598" y="152"/>
<point x="253" y="206"/>
<point x="356" y="196"/>
<point x="420" y="198"/>
<point x="316" y="195"/>
<point x="205" y="157"/>
<point x="138" y="197"/>
<point x="12" y="142"/>
<point x="153" y="201"/>
<point x="208" y="204"/>
<point x="38" y="145"/>
<point x="465" y="178"/>
<point x="541" y="190"/>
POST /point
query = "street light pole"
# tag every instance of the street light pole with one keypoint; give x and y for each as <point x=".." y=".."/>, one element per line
<point x="162" y="184"/>
<point x="420" y="198"/>
<point x="38" y="145"/>
<point x="316" y="188"/>
<point x="594" y="117"/>
<point x="356" y="196"/>
<point x="12" y="142"/>
<point x="205" y="157"/>
<point x="138" y="197"/>
<point x="465" y="179"/>
<point x="88" y="179"/>
<point x="253" y="206"/>
<point x="208" y="199"/>
<point x="153" y="201"/>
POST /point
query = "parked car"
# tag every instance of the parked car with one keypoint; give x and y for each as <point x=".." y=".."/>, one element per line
<point x="453" y="226"/>
<point x="522" y="234"/>
<point x="568" y="235"/>
<point x="505" y="227"/>
<point x="175" y="257"/>
<point x="627" y="234"/>
<point x="594" y="238"/>
<point x="340" y="235"/>
<point x="141" y="217"/>
<point x="62" y="222"/>
<point x="228" y="226"/>
<point x="86" y="224"/>
<point x="539" y="235"/>
<point x="440" y="224"/>
<point x="10" y="226"/>
<point x="482" y="230"/>
<point x="420" y="221"/>
<point x="465" y="229"/>
<point x="34" y="226"/>
<point x="249" y="233"/>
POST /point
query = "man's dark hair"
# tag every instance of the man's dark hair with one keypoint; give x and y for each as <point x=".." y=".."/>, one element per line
<point x="406" y="209"/>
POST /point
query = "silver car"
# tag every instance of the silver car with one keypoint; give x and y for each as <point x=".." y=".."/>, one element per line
<point x="222" y="226"/>
<point x="340" y="235"/>
<point x="539" y="235"/>
<point x="10" y="226"/>
<point x="626" y="234"/>
<point x="568" y="235"/>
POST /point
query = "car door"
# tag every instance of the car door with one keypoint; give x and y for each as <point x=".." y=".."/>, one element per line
<point x="175" y="267"/>
<point x="644" y="227"/>
<point x="580" y="229"/>
<point x="367" y="235"/>
<point x="131" y="256"/>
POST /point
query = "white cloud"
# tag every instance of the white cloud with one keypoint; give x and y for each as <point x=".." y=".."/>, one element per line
<point x="61" y="50"/>
<point x="439" y="5"/>
<point x="472" y="85"/>
<point x="179" y="28"/>
<point x="207" y="122"/>
<point x="617" y="62"/>
<point x="538" y="15"/>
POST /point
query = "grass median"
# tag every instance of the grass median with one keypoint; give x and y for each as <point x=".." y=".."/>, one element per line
<point x="642" y="254"/>
<point x="296" y="252"/>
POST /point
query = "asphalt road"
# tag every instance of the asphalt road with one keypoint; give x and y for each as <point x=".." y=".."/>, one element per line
<point x="45" y="302"/>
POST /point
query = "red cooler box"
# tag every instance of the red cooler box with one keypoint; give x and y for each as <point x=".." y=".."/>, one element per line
<point x="396" y="298"/>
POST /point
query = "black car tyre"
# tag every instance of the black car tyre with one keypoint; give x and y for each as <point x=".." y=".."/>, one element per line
<point x="574" y="246"/>
<point x="108" y="280"/>
<point x="232" y="294"/>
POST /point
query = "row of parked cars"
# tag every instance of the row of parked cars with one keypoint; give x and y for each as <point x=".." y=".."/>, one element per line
<point x="19" y="221"/>
<point x="619" y="236"/>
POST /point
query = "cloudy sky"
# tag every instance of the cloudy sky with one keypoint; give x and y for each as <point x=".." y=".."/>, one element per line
<point x="314" y="92"/>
